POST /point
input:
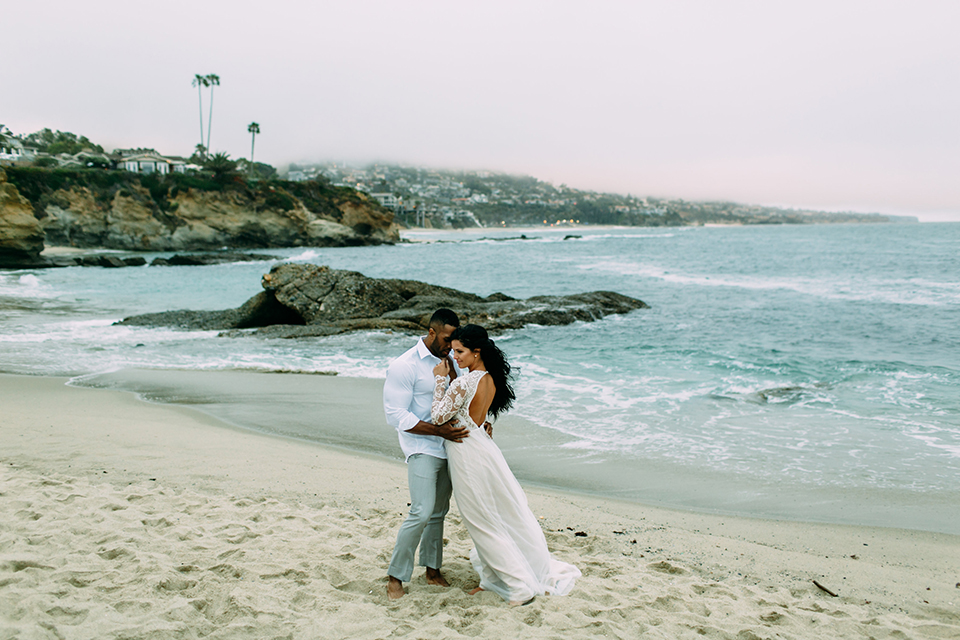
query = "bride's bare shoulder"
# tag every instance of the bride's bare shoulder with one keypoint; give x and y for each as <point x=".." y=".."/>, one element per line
<point x="485" y="382"/>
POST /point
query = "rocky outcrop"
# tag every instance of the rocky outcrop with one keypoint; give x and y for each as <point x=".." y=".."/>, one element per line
<point x="117" y="210"/>
<point x="259" y="311"/>
<point x="204" y="259"/>
<point x="309" y="300"/>
<point x="107" y="261"/>
<point x="21" y="237"/>
<point x="203" y="220"/>
<point x="116" y="261"/>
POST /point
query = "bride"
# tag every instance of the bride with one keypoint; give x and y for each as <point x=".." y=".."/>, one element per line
<point x="510" y="552"/>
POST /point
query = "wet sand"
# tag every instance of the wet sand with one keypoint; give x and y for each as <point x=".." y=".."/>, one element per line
<point x="122" y="518"/>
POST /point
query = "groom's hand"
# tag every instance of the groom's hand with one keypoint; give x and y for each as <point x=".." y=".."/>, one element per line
<point x="450" y="431"/>
<point x="453" y="369"/>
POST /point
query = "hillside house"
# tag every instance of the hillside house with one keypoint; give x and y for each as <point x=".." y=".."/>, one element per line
<point x="12" y="151"/>
<point x="386" y="199"/>
<point x="147" y="163"/>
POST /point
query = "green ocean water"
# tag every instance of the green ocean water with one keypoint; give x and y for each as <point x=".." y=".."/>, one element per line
<point x="806" y="372"/>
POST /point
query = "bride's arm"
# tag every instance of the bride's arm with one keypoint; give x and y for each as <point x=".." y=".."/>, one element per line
<point x="446" y="402"/>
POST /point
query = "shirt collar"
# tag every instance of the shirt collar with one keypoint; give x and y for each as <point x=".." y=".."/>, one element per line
<point x="423" y="351"/>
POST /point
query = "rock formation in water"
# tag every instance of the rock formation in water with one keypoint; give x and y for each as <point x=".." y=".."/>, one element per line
<point x="21" y="236"/>
<point x="205" y="259"/>
<point x="309" y="300"/>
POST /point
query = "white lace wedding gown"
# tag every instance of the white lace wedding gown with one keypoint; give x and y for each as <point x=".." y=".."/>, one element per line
<point x="510" y="552"/>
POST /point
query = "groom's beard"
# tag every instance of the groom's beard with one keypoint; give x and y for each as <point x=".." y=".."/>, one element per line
<point x="437" y="350"/>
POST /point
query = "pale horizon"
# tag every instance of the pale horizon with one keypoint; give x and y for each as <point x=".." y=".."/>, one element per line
<point x="839" y="106"/>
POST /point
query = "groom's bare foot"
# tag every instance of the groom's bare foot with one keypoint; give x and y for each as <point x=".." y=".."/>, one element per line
<point x="394" y="588"/>
<point x="476" y="591"/>
<point x="435" y="577"/>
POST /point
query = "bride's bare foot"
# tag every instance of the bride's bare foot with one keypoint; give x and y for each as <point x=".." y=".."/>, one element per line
<point x="394" y="588"/>
<point x="476" y="591"/>
<point x="435" y="577"/>
<point x="520" y="603"/>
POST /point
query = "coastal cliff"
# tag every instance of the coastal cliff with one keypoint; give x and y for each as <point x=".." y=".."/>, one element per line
<point x="21" y="236"/>
<point x="116" y="210"/>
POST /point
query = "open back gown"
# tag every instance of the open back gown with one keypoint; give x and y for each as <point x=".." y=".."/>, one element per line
<point x="510" y="551"/>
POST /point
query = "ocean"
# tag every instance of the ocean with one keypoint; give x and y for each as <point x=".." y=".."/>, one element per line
<point x="798" y="372"/>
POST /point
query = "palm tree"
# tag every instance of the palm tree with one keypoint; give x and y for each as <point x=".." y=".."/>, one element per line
<point x="213" y="80"/>
<point x="200" y="82"/>
<point x="223" y="168"/>
<point x="199" y="153"/>
<point x="253" y="128"/>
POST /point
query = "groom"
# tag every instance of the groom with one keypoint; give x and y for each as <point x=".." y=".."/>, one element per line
<point x="407" y="397"/>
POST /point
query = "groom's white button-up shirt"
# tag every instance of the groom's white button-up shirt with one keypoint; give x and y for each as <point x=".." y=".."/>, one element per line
<point x="407" y="398"/>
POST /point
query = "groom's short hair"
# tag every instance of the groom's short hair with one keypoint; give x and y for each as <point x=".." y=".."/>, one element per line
<point x="441" y="317"/>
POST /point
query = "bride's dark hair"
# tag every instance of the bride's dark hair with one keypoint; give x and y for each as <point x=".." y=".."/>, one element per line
<point x="473" y="336"/>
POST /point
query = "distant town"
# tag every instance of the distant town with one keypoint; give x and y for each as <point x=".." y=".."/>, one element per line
<point x="421" y="197"/>
<point x="460" y="199"/>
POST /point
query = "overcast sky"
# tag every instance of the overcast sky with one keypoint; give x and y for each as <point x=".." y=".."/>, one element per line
<point x="829" y="104"/>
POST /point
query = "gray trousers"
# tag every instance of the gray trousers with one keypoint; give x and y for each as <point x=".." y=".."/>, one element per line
<point x="430" y="491"/>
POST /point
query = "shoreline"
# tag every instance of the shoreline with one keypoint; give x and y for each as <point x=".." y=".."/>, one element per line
<point x="289" y="406"/>
<point x="513" y="230"/>
<point x="184" y="524"/>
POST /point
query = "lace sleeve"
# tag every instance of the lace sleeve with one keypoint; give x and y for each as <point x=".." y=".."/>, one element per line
<point x="446" y="402"/>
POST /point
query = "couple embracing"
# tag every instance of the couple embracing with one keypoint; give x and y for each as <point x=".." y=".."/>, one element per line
<point x="440" y="410"/>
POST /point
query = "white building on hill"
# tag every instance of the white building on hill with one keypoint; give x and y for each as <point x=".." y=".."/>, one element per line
<point x="150" y="162"/>
<point x="386" y="199"/>
<point x="12" y="151"/>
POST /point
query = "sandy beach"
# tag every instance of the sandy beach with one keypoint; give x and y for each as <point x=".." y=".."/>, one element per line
<point x="125" y="519"/>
